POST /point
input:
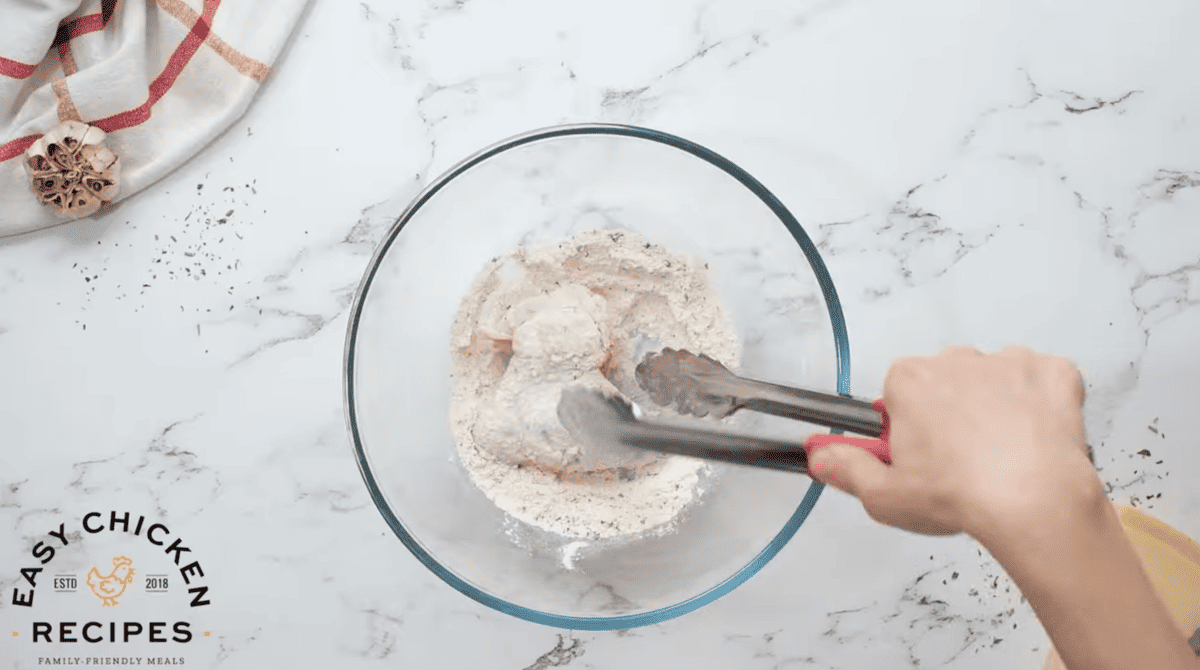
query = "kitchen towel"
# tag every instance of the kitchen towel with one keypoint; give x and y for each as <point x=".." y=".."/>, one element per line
<point x="161" y="78"/>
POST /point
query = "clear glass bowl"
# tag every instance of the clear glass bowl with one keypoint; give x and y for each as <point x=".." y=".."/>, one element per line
<point x="542" y="187"/>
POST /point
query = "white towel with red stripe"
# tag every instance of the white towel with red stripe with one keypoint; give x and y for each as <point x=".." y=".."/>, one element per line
<point x="161" y="78"/>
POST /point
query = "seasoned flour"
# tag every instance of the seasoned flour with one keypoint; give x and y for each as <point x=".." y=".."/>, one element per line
<point x="544" y="318"/>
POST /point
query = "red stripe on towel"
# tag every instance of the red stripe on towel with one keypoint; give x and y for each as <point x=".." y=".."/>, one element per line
<point x="69" y="30"/>
<point x="16" y="69"/>
<point x="17" y="147"/>
<point x="159" y="87"/>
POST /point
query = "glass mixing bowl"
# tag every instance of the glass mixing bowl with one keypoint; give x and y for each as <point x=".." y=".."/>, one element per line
<point x="543" y="187"/>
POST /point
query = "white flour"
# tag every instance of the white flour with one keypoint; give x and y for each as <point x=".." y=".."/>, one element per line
<point x="547" y="317"/>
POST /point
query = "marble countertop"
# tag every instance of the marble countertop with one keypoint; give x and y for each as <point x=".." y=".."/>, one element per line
<point x="1022" y="172"/>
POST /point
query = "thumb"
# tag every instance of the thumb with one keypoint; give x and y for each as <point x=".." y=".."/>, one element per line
<point x="847" y="468"/>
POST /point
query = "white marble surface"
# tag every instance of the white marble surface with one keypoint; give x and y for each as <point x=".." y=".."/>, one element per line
<point x="996" y="172"/>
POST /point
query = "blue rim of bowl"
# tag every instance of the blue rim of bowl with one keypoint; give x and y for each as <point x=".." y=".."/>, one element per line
<point x="841" y="341"/>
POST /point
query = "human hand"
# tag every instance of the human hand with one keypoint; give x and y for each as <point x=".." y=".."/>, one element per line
<point x="994" y="445"/>
<point x="977" y="440"/>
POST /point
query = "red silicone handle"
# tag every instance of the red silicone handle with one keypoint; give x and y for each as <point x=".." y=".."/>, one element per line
<point x="879" y="448"/>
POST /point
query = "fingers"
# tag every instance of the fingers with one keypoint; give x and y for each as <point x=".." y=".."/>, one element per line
<point x="1065" y="378"/>
<point x="963" y="352"/>
<point x="848" y="468"/>
<point x="906" y="371"/>
<point x="903" y="373"/>
<point x="1022" y="365"/>
<point x="1016" y="351"/>
<point x="1056" y="376"/>
<point x="853" y="470"/>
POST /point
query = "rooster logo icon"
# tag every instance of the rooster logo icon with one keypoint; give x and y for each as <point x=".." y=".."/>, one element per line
<point x="109" y="588"/>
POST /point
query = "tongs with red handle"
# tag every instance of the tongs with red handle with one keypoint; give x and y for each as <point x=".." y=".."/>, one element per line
<point x="701" y="386"/>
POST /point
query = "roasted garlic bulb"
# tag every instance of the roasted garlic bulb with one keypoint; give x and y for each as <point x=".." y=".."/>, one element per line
<point x="73" y="170"/>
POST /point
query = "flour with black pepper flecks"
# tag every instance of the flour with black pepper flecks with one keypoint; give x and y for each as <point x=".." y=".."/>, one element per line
<point x="547" y="317"/>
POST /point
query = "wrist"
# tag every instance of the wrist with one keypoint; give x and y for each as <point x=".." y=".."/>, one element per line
<point x="1043" y="514"/>
<point x="1073" y="563"/>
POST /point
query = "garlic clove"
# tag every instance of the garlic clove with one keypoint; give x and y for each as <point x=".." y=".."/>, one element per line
<point x="101" y="171"/>
<point x="97" y="157"/>
<point x="60" y="155"/>
<point x="63" y="143"/>
<point x="80" y="202"/>
<point x="68" y="132"/>
<point x="39" y="163"/>
<point x="93" y="135"/>
<point x="100" y="186"/>
<point x="49" y="184"/>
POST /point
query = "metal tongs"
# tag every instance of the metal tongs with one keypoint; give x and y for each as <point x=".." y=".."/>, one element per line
<point x="700" y="386"/>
